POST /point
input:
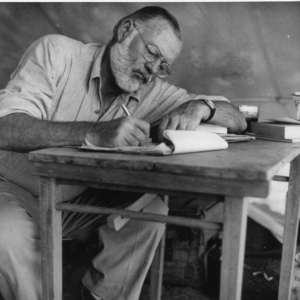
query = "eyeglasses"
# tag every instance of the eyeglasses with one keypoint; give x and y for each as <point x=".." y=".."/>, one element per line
<point x="152" y="54"/>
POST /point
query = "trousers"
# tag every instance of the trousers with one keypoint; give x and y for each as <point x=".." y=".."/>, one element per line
<point x="117" y="272"/>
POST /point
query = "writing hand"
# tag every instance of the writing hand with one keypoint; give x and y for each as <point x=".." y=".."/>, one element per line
<point x="126" y="131"/>
<point x="185" y="117"/>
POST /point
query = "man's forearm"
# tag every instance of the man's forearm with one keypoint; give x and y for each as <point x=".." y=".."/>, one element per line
<point x="21" y="132"/>
<point x="229" y="116"/>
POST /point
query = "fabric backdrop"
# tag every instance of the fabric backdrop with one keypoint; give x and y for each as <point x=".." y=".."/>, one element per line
<point x="239" y="50"/>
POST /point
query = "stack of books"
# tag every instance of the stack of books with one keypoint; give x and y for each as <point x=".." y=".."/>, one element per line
<point x="280" y="129"/>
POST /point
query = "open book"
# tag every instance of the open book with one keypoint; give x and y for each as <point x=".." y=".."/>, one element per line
<point x="179" y="141"/>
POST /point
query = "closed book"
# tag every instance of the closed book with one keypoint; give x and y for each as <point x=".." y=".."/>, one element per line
<point x="276" y="130"/>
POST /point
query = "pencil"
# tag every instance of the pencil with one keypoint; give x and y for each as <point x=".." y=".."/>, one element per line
<point x="128" y="114"/>
<point x="126" y="110"/>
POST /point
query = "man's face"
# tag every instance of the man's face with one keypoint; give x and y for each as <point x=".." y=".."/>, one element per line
<point x="129" y="66"/>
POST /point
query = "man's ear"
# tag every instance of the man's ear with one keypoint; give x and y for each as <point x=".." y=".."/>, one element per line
<point x="124" y="30"/>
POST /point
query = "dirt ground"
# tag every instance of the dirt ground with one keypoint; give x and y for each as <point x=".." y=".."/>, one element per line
<point x="254" y="287"/>
<point x="260" y="282"/>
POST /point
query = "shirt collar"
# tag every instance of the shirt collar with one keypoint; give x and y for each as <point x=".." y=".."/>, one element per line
<point x="96" y="73"/>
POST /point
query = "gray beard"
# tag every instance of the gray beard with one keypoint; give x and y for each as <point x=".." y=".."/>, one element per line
<point x="121" y="63"/>
<point x="121" y="66"/>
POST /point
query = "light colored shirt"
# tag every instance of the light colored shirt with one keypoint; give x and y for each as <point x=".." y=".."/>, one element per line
<point x="58" y="79"/>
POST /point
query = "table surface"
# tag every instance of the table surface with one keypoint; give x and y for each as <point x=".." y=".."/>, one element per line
<point x="250" y="161"/>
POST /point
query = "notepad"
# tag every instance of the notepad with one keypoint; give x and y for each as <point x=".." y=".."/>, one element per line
<point x="176" y="142"/>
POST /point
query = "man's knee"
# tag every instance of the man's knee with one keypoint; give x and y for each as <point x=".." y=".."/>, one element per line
<point x="16" y="225"/>
<point x="157" y="206"/>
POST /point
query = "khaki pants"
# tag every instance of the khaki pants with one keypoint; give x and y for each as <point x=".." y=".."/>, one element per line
<point x="117" y="272"/>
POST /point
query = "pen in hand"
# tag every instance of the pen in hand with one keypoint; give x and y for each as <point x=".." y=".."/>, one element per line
<point x="128" y="114"/>
<point x="126" y="110"/>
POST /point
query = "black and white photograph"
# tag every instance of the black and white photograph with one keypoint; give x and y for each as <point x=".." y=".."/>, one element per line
<point x="150" y="150"/>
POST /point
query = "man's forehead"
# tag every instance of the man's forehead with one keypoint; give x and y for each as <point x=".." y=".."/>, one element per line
<point x="157" y="26"/>
<point x="161" y="34"/>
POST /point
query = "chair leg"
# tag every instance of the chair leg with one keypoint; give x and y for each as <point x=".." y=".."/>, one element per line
<point x="156" y="271"/>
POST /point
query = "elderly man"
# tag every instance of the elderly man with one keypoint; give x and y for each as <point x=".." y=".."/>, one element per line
<point x="65" y="93"/>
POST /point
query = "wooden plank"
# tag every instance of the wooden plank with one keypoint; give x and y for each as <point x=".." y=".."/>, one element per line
<point x="151" y="181"/>
<point x="116" y="222"/>
<point x="140" y="216"/>
<point x="157" y="266"/>
<point x="290" y="231"/>
<point x="139" y="189"/>
<point x="251" y="160"/>
<point x="233" y="248"/>
<point x="72" y="156"/>
<point x="51" y="239"/>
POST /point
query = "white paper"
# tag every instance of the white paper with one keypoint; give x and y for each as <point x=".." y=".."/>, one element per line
<point x="181" y="142"/>
<point x="285" y="120"/>
<point x="194" y="141"/>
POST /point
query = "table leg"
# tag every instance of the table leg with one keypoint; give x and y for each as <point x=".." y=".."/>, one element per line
<point x="51" y="239"/>
<point x="290" y="231"/>
<point x="233" y="248"/>
<point x="157" y="267"/>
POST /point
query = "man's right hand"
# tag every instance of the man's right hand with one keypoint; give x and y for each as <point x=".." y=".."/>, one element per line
<point x="126" y="131"/>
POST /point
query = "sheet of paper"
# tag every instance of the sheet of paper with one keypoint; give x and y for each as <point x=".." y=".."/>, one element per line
<point x="160" y="149"/>
<point x="285" y="120"/>
<point x="180" y="142"/>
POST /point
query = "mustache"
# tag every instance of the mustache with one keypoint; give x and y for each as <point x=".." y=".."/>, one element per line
<point x="145" y="75"/>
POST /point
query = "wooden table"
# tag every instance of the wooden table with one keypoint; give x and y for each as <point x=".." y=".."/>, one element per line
<point x="244" y="169"/>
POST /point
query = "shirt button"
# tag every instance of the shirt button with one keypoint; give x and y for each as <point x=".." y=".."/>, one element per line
<point x="97" y="112"/>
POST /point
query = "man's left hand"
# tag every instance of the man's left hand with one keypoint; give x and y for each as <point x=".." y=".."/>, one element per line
<point x="185" y="117"/>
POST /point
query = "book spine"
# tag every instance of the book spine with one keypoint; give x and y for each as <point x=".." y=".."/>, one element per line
<point x="268" y="131"/>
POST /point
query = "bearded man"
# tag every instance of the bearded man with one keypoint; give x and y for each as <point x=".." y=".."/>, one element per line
<point x="65" y="93"/>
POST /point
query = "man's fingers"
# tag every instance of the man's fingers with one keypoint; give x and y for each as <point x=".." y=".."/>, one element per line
<point x="130" y="140"/>
<point x="135" y="131"/>
<point x="139" y="136"/>
<point x="183" y="123"/>
<point x="193" y="123"/>
<point x="173" y="123"/>
<point x="143" y="126"/>
<point x="162" y="127"/>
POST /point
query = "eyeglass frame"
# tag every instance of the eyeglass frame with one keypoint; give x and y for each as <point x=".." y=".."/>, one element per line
<point x="169" y="71"/>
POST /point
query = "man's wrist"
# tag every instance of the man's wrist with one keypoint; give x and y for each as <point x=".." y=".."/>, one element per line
<point x="211" y="106"/>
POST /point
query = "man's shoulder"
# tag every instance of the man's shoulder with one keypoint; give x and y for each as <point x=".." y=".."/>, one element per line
<point x="64" y="45"/>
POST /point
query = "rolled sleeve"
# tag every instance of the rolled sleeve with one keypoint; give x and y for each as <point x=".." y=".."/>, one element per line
<point x="33" y="83"/>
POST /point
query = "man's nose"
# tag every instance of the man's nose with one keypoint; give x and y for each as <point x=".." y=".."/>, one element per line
<point x="153" y="66"/>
